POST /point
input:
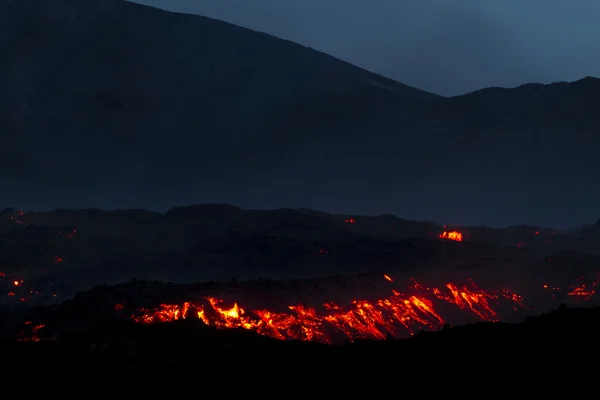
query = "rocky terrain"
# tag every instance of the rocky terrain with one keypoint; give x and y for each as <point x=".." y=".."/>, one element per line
<point x="210" y="259"/>
<point x="59" y="253"/>
<point x="332" y="298"/>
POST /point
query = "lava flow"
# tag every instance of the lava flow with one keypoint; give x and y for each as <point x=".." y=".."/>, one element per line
<point x="452" y="235"/>
<point x="398" y="315"/>
<point x="579" y="289"/>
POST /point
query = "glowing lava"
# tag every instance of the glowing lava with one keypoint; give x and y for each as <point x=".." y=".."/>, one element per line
<point x="579" y="289"/>
<point x="398" y="315"/>
<point x="451" y="235"/>
<point x="33" y="337"/>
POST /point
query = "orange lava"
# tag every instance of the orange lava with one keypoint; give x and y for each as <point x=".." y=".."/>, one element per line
<point x="583" y="291"/>
<point x="398" y="315"/>
<point x="452" y="235"/>
<point x="580" y="289"/>
<point x="33" y="337"/>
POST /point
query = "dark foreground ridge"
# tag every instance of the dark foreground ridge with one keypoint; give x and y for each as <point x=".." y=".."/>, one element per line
<point x="547" y="348"/>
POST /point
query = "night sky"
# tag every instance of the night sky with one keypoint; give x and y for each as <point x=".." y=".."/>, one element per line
<point x="446" y="47"/>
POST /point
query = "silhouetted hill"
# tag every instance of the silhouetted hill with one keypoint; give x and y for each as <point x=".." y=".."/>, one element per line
<point x="130" y="94"/>
<point x="111" y="104"/>
<point x="557" y="347"/>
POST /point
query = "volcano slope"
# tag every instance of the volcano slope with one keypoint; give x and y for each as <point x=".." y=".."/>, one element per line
<point x="45" y="258"/>
<point x="59" y="253"/>
<point x="337" y="302"/>
<point x="111" y="104"/>
<point x="544" y="351"/>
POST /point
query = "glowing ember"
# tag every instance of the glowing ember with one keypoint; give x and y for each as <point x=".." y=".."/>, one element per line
<point x="397" y="315"/>
<point x="452" y="235"/>
<point x="581" y="290"/>
<point x="33" y="337"/>
<point x="350" y="220"/>
<point x="388" y="278"/>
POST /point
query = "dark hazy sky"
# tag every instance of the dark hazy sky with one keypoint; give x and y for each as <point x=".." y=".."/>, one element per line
<point x="445" y="46"/>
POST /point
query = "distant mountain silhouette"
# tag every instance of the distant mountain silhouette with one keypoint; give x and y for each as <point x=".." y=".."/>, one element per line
<point x="114" y="104"/>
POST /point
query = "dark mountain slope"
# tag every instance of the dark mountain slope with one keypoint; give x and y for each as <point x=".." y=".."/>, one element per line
<point x="113" y="104"/>
<point x="79" y="248"/>
<point x="525" y="130"/>
<point x="496" y="156"/>
<point x="161" y="94"/>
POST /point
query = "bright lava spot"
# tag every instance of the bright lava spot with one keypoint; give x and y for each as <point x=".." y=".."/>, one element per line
<point x="350" y="220"/>
<point x="452" y="235"/>
<point x="388" y="278"/>
<point x="581" y="290"/>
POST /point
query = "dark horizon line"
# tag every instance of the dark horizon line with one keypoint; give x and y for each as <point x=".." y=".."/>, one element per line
<point x="341" y="215"/>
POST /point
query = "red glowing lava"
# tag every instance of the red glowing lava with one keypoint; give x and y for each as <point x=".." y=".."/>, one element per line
<point x="451" y="235"/>
<point x="400" y="314"/>
<point x="397" y="315"/>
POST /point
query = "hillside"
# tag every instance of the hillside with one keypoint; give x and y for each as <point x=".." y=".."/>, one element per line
<point x="111" y="104"/>
<point x="133" y="95"/>
<point x="122" y="355"/>
<point x="331" y="295"/>
<point x="61" y="252"/>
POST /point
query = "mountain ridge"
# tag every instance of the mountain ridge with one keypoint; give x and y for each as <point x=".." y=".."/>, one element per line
<point x="116" y="105"/>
